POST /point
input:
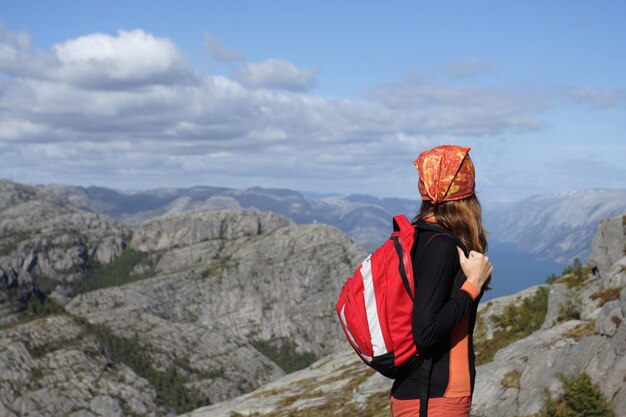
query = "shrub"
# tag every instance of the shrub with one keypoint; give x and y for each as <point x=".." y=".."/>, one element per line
<point x="115" y="273"/>
<point x="574" y="274"/>
<point x="169" y="384"/>
<point x="515" y="323"/>
<point x="570" y="309"/>
<point x="581" y="398"/>
<point x="284" y="354"/>
<point x="39" y="305"/>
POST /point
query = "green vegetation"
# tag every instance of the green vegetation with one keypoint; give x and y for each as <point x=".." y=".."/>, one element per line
<point x="42" y="349"/>
<point x="40" y="305"/>
<point x="10" y="241"/>
<point x="169" y="384"/>
<point x="36" y="307"/>
<point x="36" y="374"/>
<point x="570" y="309"/>
<point x="573" y="275"/>
<point x="284" y="354"/>
<point x="582" y="398"/>
<point x="43" y="284"/>
<point x="115" y="273"/>
<point x="515" y="323"/>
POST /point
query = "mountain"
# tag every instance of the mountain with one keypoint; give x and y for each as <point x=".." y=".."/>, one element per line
<point x="183" y="310"/>
<point x="365" y="218"/>
<point x="46" y="245"/>
<point x="575" y="325"/>
<point x="557" y="227"/>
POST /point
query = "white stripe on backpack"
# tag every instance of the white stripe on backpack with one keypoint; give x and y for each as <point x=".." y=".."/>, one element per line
<point x="378" y="343"/>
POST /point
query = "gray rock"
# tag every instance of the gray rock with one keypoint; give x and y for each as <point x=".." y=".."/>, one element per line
<point x="46" y="244"/>
<point x="616" y="276"/>
<point x="608" y="244"/>
<point x="105" y="406"/>
<point x="54" y="367"/>
<point x="225" y="291"/>
<point x="609" y="318"/>
<point x="557" y="297"/>
<point x="182" y="229"/>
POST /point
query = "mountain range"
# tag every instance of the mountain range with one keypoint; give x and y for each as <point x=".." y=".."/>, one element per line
<point x="556" y="227"/>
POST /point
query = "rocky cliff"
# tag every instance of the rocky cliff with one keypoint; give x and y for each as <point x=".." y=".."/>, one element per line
<point x="185" y="309"/>
<point x="579" y="327"/>
<point x="47" y="246"/>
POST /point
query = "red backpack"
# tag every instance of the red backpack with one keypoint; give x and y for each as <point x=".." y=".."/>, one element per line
<point x="376" y="303"/>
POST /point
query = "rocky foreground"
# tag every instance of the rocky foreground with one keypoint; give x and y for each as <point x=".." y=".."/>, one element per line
<point x="583" y="330"/>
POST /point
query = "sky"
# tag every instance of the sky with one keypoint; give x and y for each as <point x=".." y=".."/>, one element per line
<point x="324" y="96"/>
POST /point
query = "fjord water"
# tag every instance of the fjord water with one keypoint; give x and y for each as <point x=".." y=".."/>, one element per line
<point x="516" y="269"/>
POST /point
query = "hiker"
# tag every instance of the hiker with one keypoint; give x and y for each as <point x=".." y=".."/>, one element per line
<point x="445" y="305"/>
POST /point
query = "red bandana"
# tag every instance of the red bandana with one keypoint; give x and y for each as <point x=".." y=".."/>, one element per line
<point x="446" y="173"/>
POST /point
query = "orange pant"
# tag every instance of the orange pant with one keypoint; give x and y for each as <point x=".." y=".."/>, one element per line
<point x="437" y="407"/>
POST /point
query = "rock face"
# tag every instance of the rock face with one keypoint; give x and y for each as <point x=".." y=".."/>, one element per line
<point x="608" y="249"/>
<point x="584" y="330"/>
<point x="54" y="367"/>
<point x="227" y="300"/>
<point x="230" y="285"/>
<point x="46" y="244"/>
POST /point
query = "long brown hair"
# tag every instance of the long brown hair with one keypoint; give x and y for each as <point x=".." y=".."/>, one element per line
<point x="463" y="217"/>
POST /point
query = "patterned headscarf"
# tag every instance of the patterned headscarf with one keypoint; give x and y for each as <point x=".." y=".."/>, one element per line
<point x="446" y="173"/>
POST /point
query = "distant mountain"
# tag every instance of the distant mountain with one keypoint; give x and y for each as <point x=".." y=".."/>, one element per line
<point x="365" y="218"/>
<point x="556" y="227"/>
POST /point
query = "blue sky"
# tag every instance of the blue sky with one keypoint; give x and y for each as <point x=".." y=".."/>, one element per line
<point x="313" y="96"/>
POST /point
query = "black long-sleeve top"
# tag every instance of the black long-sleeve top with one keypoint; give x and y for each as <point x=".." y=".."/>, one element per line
<point x="444" y="315"/>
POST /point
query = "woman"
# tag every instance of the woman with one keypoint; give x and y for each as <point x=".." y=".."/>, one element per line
<point x="445" y="304"/>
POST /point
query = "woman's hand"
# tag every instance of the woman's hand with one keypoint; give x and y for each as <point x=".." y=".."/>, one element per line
<point x="476" y="268"/>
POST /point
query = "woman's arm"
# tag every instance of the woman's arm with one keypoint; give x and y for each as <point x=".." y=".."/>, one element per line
<point x="438" y="306"/>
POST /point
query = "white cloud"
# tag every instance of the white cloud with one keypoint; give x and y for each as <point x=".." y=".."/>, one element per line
<point x="216" y="49"/>
<point x="98" y="108"/>
<point x="276" y="73"/>
<point x="460" y="109"/>
<point x="130" y="59"/>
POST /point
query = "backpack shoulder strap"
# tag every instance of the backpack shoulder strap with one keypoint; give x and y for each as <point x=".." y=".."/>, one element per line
<point x="442" y="230"/>
<point x="401" y="223"/>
